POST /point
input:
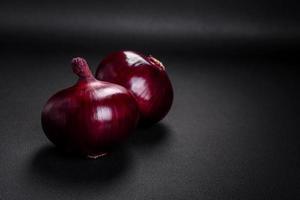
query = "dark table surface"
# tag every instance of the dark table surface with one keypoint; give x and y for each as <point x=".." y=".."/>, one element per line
<point x="232" y="133"/>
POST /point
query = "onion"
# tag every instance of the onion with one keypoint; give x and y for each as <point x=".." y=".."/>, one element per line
<point x="145" y="77"/>
<point x="91" y="117"/>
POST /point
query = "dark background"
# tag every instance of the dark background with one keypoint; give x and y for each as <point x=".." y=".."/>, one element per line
<point x="232" y="132"/>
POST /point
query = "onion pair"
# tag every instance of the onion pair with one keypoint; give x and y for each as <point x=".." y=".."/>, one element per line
<point x="93" y="116"/>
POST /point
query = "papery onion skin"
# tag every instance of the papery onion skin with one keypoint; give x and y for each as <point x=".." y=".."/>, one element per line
<point x="145" y="77"/>
<point x="91" y="117"/>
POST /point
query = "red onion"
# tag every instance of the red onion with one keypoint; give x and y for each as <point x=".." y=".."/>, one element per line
<point x="90" y="117"/>
<point x="145" y="77"/>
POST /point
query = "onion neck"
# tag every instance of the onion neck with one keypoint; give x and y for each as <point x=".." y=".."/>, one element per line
<point x="156" y="62"/>
<point x="81" y="69"/>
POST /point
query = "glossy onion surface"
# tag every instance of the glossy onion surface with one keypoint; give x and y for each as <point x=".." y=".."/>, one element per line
<point x="145" y="77"/>
<point x="90" y="117"/>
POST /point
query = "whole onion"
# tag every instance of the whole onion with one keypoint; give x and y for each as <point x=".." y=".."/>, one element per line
<point x="91" y="117"/>
<point x="145" y="77"/>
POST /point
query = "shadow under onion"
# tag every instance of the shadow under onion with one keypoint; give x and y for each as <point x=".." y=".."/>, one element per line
<point x="54" y="165"/>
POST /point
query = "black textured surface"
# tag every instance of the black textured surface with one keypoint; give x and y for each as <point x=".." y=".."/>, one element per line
<point x="189" y="26"/>
<point x="232" y="133"/>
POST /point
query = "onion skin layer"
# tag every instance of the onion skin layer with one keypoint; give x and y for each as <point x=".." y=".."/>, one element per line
<point x="91" y="117"/>
<point x="145" y="77"/>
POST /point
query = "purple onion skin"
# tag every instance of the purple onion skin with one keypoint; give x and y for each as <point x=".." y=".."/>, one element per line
<point x="145" y="77"/>
<point x="91" y="117"/>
